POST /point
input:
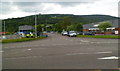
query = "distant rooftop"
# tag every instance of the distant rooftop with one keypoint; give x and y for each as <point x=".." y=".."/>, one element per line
<point x="115" y="23"/>
<point x="25" y="27"/>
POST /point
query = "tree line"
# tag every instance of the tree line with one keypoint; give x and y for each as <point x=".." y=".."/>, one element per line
<point x="58" y="22"/>
<point x="65" y="25"/>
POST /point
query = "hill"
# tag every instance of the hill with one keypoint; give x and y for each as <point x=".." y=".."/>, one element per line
<point x="12" y="24"/>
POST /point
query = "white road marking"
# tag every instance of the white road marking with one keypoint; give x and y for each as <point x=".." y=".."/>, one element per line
<point x="102" y="42"/>
<point x="84" y="41"/>
<point x="76" y="53"/>
<point x="24" y="57"/>
<point x="29" y="49"/>
<point x="81" y="43"/>
<point x="111" y="57"/>
<point x="90" y="53"/>
<point x="104" y="52"/>
<point x="1" y="51"/>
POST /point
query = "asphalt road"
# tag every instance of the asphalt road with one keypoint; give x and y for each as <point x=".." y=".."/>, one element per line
<point x="61" y="52"/>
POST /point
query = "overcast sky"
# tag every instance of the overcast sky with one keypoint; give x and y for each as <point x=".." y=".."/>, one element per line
<point x="10" y="9"/>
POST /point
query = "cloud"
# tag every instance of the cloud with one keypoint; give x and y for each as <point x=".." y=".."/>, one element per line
<point x="68" y="4"/>
<point x="28" y="6"/>
<point x="49" y="0"/>
<point x="84" y="7"/>
<point x="6" y="7"/>
<point x="26" y="3"/>
<point x="41" y="7"/>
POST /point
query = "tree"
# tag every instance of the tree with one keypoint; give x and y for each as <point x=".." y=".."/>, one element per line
<point x="66" y="22"/>
<point x="57" y="27"/>
<point x="71" y="28"/>
<point x="104" y="25"/>
<point x="78" y="27"/>
<point x="39" y="28"/>
<point x="75" y="27"/>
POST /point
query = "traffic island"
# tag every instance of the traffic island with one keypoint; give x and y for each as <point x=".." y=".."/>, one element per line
<point x="21" y="40"/>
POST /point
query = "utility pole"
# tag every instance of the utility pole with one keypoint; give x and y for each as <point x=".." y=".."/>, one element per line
<point x="4" y="37"/>
<point x="35" y="25"/>
<point x="4" y="28"/>
<point x="46" y="26"/>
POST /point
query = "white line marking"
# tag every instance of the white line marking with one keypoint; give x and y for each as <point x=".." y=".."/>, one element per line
<point x="24" y="57"/>
<point x="91" y="53"/>
<point x="84" y="41"/>
<point x="81" y="43"/>
<point x="76" y="53"/>
<point x="29" y="49"/>
<point x="1" y="51"/>
<point x="111" y="57"/>
<point x="104" y="52"/>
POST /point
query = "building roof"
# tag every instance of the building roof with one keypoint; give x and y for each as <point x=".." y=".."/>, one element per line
<point x="25" y="27"/>
<point x="114" y="23"/>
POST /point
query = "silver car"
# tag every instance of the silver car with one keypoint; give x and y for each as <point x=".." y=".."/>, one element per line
<point x="72" y="34"/>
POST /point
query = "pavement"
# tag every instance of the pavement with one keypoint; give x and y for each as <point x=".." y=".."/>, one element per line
<point x="61" y="52"/>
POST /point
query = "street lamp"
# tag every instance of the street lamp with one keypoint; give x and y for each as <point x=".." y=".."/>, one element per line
<point x="4" y="28"/>
<point x="35" y="25"/>
<point x="4" y="37"/>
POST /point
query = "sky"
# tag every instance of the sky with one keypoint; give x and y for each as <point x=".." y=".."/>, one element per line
<point x="14" y="9"/>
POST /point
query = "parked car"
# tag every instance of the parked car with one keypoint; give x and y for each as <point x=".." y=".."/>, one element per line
<point x="79" y="33"/>
<point x="88" y="33"/>
<point x="51" y="32"/>
<point x="64" y="33"/>
<point x="72" y="34"/>
<point x="45" y="34"/>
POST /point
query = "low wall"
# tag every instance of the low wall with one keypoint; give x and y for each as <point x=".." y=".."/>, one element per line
<point x="12" y="36"/>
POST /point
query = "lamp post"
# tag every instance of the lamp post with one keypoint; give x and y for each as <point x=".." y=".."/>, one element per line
<point x="4" y="37"/>
<point x="35" y="25"/>
<point x="4" y="28"/>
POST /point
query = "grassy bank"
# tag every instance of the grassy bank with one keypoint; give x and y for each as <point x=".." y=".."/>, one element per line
<point x="100" y="36"/>
<point x="20" y="40"/>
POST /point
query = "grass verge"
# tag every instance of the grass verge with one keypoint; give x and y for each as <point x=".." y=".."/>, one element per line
<point x="101" y="36"/>
<point x="20" y="40"/>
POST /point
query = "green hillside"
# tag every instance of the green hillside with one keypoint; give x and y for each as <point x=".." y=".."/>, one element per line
<point x="13" y="23"/>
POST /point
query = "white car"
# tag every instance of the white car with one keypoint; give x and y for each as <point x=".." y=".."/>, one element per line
<point x="64" y="33"/>
<point x="72" y="34"/>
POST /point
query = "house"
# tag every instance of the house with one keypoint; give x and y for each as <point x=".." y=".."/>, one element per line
<point x="93" y="27"/>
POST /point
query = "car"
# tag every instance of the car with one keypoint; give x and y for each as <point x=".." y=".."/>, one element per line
<point x="64" y="33"/>
<point x="79" y="33"/>
<point x="51" y="32"/>
<point x="88" y="33"/>
<point x="72" y="34"/>
<point x="44" y="34"/>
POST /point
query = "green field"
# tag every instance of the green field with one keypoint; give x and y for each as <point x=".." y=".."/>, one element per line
<point x="100" y="36"/>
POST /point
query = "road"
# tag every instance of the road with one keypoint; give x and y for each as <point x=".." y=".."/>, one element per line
<point x="61" y="52"/>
